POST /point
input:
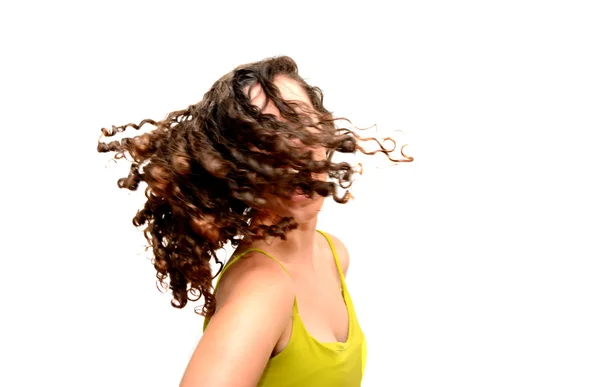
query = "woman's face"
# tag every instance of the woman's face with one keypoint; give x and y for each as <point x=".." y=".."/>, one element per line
<point x="299" y="206"/>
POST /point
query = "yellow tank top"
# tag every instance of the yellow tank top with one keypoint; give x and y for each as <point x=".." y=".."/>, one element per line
<point x="306" y="362"/>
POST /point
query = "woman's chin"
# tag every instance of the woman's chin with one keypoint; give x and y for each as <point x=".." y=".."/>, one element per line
<point x="304" y="210"/>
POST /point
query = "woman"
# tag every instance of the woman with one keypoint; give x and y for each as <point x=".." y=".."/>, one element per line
<point x="249" y="165"/>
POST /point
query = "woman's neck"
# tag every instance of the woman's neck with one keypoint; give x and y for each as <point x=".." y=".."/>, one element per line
<point x="299" y="245"/>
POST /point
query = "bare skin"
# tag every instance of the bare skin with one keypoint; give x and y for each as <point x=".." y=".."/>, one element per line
<point x="253" y="318"/>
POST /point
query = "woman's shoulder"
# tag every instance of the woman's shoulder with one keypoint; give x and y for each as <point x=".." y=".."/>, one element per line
<point x="258" y="276"/>
<point x="341" y="250"/>
<point x="254" y="304"/>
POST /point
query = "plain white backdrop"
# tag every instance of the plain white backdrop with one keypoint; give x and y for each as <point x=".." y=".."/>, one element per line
<point x="476" y="265"/>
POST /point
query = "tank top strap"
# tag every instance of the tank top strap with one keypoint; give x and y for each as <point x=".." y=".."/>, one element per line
<point x="263" y="253"/>
<point x="335" y="257"/>
<point x="238" y="256"/>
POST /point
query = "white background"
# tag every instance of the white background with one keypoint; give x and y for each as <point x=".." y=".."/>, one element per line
<point x="476" y="265"/>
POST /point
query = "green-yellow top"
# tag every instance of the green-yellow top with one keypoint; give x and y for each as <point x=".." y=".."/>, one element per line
<point x="307" y="362"/>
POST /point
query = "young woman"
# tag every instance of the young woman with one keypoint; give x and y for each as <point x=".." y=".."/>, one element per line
<point x="251" y="165"/>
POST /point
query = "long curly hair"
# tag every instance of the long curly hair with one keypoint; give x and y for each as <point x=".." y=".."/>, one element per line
<point x="208" y="168"/>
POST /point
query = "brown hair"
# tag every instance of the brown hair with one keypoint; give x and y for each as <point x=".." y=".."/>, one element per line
<point x="208" y="167"/>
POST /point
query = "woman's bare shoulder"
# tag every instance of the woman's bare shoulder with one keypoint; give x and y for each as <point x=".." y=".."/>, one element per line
<point x="254" y="273"/>
<point x="342" y="252"/>
<point x="254" y="304"/>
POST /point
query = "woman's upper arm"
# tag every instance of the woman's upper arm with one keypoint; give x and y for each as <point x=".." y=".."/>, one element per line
<point x="241" y="335"/>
